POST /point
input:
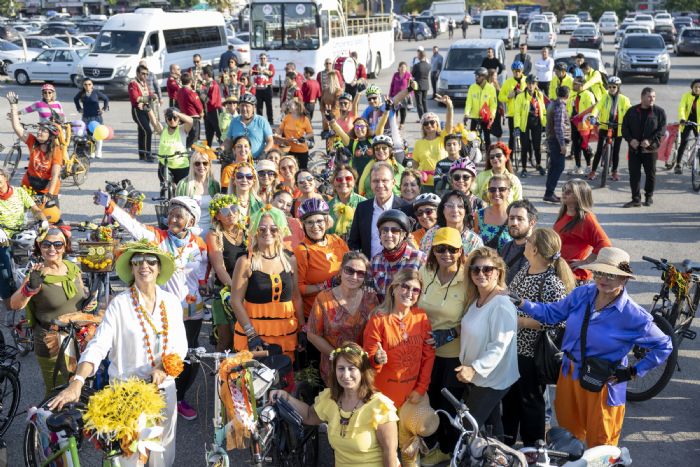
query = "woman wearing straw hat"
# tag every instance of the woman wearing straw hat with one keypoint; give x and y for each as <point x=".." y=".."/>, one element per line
<point x="602" y="326"/>
<point x="268" y="177"/>
<point x="143" y="333"/>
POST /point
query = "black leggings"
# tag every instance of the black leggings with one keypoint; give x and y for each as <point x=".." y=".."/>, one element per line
<point x="444" y="376"/>
<point x="421" y="101"/>
<point x="511" y="132"/>
<point x="684" y="141"/>
<point x="531" y="142"/>
<point x="476" y="124"/>
<point x="175" y="174"/>
<point x="211" y="126"/>
<point x="145" y="132"/>
<point x="485" y="406"/>
<point x="576" y="148"/>
<point x="617" y="142"/>
<point x="264" y="96"/>
<point x="189" y="374"/>
<point x="302" y="158"/>
<point x="402" y="114"/>
<point x="523" y="406"/>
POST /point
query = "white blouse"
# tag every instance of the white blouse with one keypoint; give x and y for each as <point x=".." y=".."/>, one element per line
<point x="120" y="335"/>
<point x="488" y="343"/>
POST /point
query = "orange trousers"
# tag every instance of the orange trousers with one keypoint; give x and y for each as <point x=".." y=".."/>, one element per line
<point x="586" y="414"/>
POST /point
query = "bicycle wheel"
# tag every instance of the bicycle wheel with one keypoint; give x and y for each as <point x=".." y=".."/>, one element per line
<point x="687" y="310"/>
<point x="9" y="397"/>
<point x="21" y="341"/>
<point x="695" y="169"/>
<point x="81" y="167"/>
<point x="12" y="161"/>
<point x="687" y="160"/>
<point x="645" y="387"/>
<point x="605" y="165"/>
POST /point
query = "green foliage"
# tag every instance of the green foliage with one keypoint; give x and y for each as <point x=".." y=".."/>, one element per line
<point x="597" y="7"/>
<point x="6" y="8"/>
<point x="416" y="6"/>
<point x="683" y="5"/>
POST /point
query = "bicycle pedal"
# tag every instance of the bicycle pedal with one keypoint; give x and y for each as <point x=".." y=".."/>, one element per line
<point x="689" y="334"/>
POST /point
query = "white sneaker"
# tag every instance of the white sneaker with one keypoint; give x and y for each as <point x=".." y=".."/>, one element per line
<point x="92" y="155"/>
<point x="98" y="155"/>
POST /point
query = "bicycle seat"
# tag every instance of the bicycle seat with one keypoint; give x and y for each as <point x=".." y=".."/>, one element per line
<point x="70" y="421"/>
<point x="560" y="439"/>
<point x="689" y="266"/>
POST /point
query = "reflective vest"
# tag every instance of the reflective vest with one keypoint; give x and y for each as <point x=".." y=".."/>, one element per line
<point x="594" y="83"/>
<point x="522" y="109"/>
<point x="686" y="105"/>
<point x="477" y="96"/>
<point x="508" y="86"/>
<point x="603" y="109"/>
<point x="568" y="81"/>
<point x="587" y="100"/>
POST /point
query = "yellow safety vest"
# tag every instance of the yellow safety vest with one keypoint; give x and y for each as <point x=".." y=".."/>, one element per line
<point x="522" y="109"/>
<point x="685" y="106"/>
<point x="603" y="107"/>
<point x="508" y="86"/>
<point x="568" y="81"/>
<point x="477" y="96"/>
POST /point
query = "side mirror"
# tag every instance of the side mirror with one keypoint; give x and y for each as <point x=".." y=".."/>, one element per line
<point x="148" y="51"/>
<point x="34" y="59"/>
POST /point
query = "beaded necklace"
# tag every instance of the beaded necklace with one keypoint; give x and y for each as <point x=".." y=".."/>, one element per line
<point x="141" y="314"/>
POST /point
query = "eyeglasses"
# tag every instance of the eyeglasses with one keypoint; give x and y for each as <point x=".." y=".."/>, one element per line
<point x="373" y="98"/>
<point x="430" y="123"/>
<point x="487" y="270"/>
<point x="263" y="229"/>
<point x="461" y="178"/>
<point x="604" y="275"/>
<point x="393" y="230"/>
<point x="138" y="260"/>
<point x="496" y="155"/>
<point x="266" y="173"/>
<point x="455" y="206"/>
<point x="241" y="176"/>
<point x="229" y="210"/>
<point x="442" y="249"/>
<point x="498" y="189"/>
<point x="425" y="212"/>
<point x="411" y="290"/>
<point x="201" y="164"/>
<point x="174" y="118"/>
<point x="311" y="223"/>
<point x="47" y="92"/>
<point x="354" y="272"/>
<point x="347" y="179"/>
<point x="58" y="245"/>
<point x="360" y="127"/>
<point x="307" y="179"/>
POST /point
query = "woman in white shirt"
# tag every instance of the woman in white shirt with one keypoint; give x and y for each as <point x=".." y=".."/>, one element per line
<point x="544" y="68"/>
<point x="140" y="327"/>
<point x="488" y="350"/>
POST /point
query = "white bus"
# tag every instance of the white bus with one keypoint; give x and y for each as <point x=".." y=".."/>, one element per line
<point x="307" y="32"/>
<point x="158" y="37"/>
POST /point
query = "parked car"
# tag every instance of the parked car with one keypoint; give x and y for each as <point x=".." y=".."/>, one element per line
<point x="668" y="32"/>
<point x="643" y="54"/>
<point x="40" y="43"/>
<point x="610" y="14"/>
<point x="541" y="34"/>
<point x="551" y="17"/>
<point x="73" y="41"/>
<point x="568" y="25"/>
<point x="421" y="33"/>
<point x="645" y="20"/>
<point x="241" y="49"/>
<point x="607" y="25"/>
<point x="688" y="41"/>
<point x="432" y="22"/>
<point x="11" y="53"/>
<point x="8" y="33"/>
<point x="461" y="60"/>
<point x="663" y="18"/>
<point x="584" y="16"/>
<point x="60" y="28"/>
<point x="57" y="65"/>
<point x="586" y="37"/>
<point x="591" y="56"/>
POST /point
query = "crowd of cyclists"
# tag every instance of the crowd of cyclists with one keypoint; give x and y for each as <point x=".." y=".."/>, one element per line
<point x="419" y="272"/>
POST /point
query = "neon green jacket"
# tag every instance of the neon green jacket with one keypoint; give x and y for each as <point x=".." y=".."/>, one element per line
<point x="477" y="96"/>
<point x="603" y="107"/>
<point x="587" y="100"/>
<point x="507" y="87"/>
<point x="521" y="109"/>
<point x="685" y="106"/>
<point x="568" y="81"/>
<point x="594" y="83"/>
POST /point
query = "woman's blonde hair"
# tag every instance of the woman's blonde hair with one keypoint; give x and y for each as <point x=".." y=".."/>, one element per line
<point x="256" y="254"/>
<point x="217" y="228"/>
<point x="400" y="278"/>
<point x="254" y="190"/>
<point x="581" y="191"/>
<point x="548" y="245"/>
<point x="195" y="157"/>
<point x="483" y="253"/>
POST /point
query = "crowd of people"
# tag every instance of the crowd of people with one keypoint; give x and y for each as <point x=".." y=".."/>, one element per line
<point x="419" y="272"/>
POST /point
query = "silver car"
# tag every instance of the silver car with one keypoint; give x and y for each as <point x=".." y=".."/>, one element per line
<point x="463" y="58"/>
<point x="643" y="54"/>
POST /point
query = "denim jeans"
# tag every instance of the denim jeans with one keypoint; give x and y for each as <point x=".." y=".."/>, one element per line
<point x="556" y="166"/>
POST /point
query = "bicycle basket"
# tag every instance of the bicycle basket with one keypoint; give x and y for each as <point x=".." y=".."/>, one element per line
<point x="162" y="214"/>
<point x="96" y="256"/>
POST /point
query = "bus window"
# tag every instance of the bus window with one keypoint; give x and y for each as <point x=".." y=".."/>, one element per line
<point x="324" y="27"/>
<point x="300" y="30"/>
<point x="267" y="26"/>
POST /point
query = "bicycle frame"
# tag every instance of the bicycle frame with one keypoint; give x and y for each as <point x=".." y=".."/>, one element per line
<point x="71" y="447"/>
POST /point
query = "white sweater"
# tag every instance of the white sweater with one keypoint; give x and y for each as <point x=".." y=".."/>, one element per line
<point x="488" y="343"/>
<point x="544" y="70"/>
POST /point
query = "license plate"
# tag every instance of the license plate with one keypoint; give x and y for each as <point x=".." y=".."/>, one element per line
<point x="645" y="69"/>
<point x="460" y="94"/>
<point x="100" y="87"/>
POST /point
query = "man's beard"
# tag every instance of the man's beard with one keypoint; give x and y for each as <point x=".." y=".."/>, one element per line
<point x="519" y="235"/>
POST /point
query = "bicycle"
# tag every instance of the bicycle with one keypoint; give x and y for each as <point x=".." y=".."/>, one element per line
<point x="566" y="451"/>
<point x="22" y="335"/>
<point x="10" y="389"/>
<point x="77" y="165"/>
<point x="167" y="189"/>
<point x="606" y="154"/>
<point x="14" y="155"/>
<point x="674" y="316"/>
<point x="321" y="167"/>
<point x="692" y="142"/>
<point x="691" y="158"/>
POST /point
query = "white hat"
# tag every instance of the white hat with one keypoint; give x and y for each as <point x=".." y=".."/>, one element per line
<point x="420" y="48"/>
<point x="612" y="261"/>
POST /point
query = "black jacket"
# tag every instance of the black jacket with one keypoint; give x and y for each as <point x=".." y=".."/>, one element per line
<point x="493" y="64"/>
<point x="654" y="127"/>
<point x="360" y="237"/>
<point x="421" y="74"/>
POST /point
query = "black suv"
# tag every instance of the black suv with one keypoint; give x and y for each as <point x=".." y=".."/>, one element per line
<point x="667" y="31"/>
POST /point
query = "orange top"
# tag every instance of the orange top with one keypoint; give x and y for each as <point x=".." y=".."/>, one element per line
<point x="40" y="165"/>
<point x="297" y="235"/>
<point x="585" y="238"/>
<point x="317" y="264"/>
<point x="292" y="127"/>
<point x="418" y="235"/>
<point x="409" y="359"/>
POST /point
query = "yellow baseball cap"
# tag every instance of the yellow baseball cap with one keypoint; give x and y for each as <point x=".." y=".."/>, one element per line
<point x="448" y="236"/>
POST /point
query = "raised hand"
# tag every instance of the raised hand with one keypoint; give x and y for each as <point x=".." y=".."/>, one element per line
<point x="380" y="357"/>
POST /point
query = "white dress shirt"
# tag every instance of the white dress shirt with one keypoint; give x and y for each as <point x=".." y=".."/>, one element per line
<point x="544" y="68"/>
<point x="376" y="245"/>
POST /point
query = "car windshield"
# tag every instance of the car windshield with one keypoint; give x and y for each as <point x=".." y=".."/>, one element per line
<point x="539" y="27"/>
<point x="644" y="42"/>
<point x="584" y="32"/>
<point x="643" y="18"/>
<point x="118" y="42"/>
<point x="694" y="33"/>
<point x="637" y="30"/>
<point x="464" y="59"/>
<point x="571" y="62"/>
<point x="495" y="22"/>
<point x="53" y="42"/>
<point x="7" y="46"/>
<point x="570" y="20"/>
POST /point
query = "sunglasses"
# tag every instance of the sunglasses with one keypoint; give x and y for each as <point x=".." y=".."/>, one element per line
<point x="461" y="178"/>
<point x="319" y="222"/>
<point x="263" y="229"/>
<point x="229" y="210"/>
<point x="46" y="244"/>
<point x="347" y="179"/>
<point x="498" y="189"/>
<point x="459" y="207"/>
<point x="393" y="230"/>
<point x="307" y="179"/>
<point x="138" y="260"/>
<point x="604" y="275"/>
<point x="266" y="173"/>
<point x="496" y="155"/>
<point x="442" y="249"/>
<point x="241" y="176"/>
<point x="354" y="272"/>
<point x="360" y="127"/>
<point x="198" y="62"/>
<point x="430" y="123"/>
<point x="411" y="290"/>
<point x="201" y="164"/>
<point x="487" y="270"/>
<point x="425" y="212"/>
<point x="173" y="119"/>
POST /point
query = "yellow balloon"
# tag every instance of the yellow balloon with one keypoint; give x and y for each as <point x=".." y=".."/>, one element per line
<point x="100" y="133"/>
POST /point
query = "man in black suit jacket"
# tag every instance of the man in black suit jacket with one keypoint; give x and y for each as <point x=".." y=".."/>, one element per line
<point x="364" y="235"/>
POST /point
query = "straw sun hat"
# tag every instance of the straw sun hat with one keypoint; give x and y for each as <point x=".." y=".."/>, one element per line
<point x="612" y="261"/>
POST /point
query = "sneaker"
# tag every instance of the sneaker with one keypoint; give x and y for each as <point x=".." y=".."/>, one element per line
<point x="98" y="155"/>
<point x="615" y="177"/>
<point x="434" y="457"/>
<point x="92" y="155"/>
<point x="523" y="173"/>
<point x="578" y="171"/>
<point x="186" y="411"/>
<point x="632" y="204"/>
<point x="678" y="170"/>
<point x="648" y="201"/>
<point x="541" y="170"/>
<point x="552" y="199"/>
<point x="591" y="175"/>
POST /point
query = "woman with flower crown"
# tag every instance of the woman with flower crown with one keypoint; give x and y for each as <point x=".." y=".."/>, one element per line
<point x="144" y="335"/>
<point x="361" y="421"/>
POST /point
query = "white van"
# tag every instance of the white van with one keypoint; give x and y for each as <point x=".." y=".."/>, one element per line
<point x="463" y="58"/>
<point x="158" y="37"/>
<point x="501" y="24"/>
<point x="451" y="9"/>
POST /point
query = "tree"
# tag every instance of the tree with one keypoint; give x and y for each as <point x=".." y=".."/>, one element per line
<point x="683" y="5"/>
<point x="597" y="7"/>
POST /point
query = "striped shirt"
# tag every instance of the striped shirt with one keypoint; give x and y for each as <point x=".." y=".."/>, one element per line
<point x="557" y="122"/>
<point x="44" y="110"/>
<point x="383" y="272"/>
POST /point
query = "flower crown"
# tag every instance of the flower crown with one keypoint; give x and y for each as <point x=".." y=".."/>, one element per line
<point x="220" y="201"/>
<point x="360" y="352"/>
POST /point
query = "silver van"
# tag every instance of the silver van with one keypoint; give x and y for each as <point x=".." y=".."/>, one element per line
<point x="463" y="58"/>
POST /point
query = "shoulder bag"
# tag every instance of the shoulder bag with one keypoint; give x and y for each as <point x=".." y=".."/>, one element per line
<point x="548" y="356"/>
<point x="594" y="372"/>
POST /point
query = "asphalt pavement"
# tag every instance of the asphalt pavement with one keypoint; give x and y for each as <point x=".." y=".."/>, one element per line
<point x="662" y="431"/>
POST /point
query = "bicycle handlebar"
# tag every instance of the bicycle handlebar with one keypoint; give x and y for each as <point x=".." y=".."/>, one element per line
<point x="660" y="264"/>
<point x="458" y="405"/>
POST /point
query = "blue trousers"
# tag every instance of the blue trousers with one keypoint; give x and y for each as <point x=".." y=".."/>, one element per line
<point x="556" y="166"/>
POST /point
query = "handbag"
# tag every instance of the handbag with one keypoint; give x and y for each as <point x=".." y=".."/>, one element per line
<point x="594" y="372"/>
<point x="548" y="355"/>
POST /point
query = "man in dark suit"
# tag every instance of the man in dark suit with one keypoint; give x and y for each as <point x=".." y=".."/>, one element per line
<point x="364" y="235"/>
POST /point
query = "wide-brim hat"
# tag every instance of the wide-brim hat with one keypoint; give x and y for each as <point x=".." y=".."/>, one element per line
<point x="447" y="236"/>
<point x="612" y="260"/>
<point x="123" y="264"/>
<point x="266" y="164"/>
<point x="419" y="419"/>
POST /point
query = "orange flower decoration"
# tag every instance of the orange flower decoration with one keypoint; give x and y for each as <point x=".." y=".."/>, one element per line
<point x="230" y="363"/>
<point x="190" y="299"/>
<point x="173" y="364"/>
